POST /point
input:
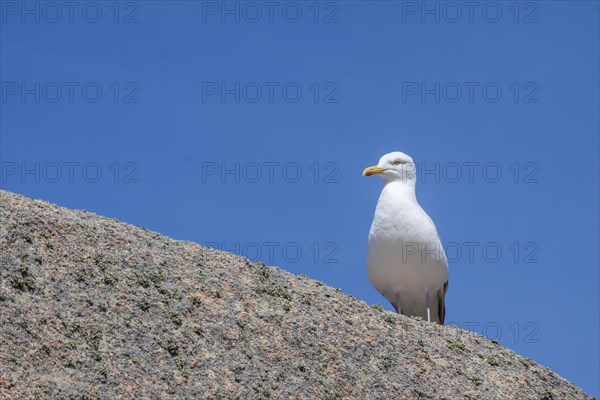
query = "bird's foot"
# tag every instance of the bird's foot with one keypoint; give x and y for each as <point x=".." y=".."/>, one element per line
<point x="397" y="305"/>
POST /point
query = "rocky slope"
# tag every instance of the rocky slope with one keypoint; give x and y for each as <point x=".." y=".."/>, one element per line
<point x="94" y="308"/>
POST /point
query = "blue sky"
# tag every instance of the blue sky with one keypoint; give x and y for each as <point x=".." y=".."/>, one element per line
<point x="248" y="128"/>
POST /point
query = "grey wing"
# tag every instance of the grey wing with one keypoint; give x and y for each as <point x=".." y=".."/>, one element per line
<point x="442" y="302"/>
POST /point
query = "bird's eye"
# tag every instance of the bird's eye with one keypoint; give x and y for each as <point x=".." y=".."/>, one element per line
<point x="397" y="162"/>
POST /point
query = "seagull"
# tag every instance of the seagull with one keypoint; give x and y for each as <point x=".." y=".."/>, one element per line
<point x="406" y="262"/>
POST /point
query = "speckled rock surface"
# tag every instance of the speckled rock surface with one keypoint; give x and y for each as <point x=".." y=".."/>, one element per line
<point x="94" y="308"/>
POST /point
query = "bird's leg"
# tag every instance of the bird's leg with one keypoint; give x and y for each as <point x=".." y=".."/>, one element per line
<point x="427" y="303"/>
<point x="397" y="304"/>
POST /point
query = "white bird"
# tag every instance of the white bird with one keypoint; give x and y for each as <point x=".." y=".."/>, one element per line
<point x="406" y="262"/>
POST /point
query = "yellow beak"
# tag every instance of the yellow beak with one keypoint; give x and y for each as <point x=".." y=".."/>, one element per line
<point x="373" y="170"/>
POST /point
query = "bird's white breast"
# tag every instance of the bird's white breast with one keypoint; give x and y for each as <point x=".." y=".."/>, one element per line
<point x="405" y="253"/>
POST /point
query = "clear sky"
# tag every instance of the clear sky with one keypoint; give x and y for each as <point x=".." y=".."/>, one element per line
<point x="247" y="127"/>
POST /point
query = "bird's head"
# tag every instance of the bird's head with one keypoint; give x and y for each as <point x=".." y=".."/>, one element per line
<point x="395" y="166"/>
